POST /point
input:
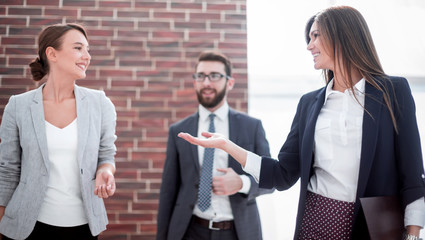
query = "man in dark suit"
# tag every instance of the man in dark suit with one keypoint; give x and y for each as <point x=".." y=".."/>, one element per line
<point x="205" y="194"/>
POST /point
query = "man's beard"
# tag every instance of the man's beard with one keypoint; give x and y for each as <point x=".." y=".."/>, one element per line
<point x="212" y="102"/>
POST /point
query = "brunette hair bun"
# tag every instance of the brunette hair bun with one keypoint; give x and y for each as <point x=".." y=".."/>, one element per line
<point x="38" y="70"/>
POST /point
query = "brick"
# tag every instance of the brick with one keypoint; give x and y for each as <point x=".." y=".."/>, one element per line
<point x="170" y="64"/>
<point x="130" y="53"/>
<point x="199" y="44"/>
<point x="162" y="44"/>
<point x="184" y="6"/>
<point x="17" y="41"/>
<point x="45" y="21"/>
<point x="145" y="155"/>
<point x="235" y="17"/>
<point x="168" y="34"/>
<point x="20" y="61"/>
<point x="209" y="16"/>
<point x="128" y="83"/>
<point x="238" y="36"/>
<point x="147" y="104"/>
<point x="24" y="11"/>
<point x="190" y="25"/>
<point x="11" y="71"/>
<point x="115" y="4"/>
<point x="169" y="15"/>
<point x="145" y="206"/>
<point x="11" y="91"/>
<point x="154" y="24"/>
<point x="61" y="12"/>
<point x="79" y="3"/>
<point x="234" y="45"/>
<point x="132" y="33"/>
<point x="221" y="7"/>
<point x="16" y="82"/>
<point x="11" y="2"/>
<point x="132" y="14"/>
<point x="203" y="35"/>
<point x="133" y="217"/>
<point x="152" y="4"/>
<point x="127" y="174"/>
<point x="165" y="53"/>
<point x="97" y="13"/>
<point x="96" y="61"/>
<point x="115" y="72"/>
<point x="153" y="73"/>
<point x="135" y="62"/>
<point x="100" y="33"/>
<point x="12" y="21"/>
<point x="22" y="31"/>
<point x="222" y="26"/>
<point x="116" y="205"/>
<point x="117" y="23"/>
<point x="148" y="123"/>
<point x="137" y="43"/>
<point x="147" y="196"/>
<point x="128" y="185"/>
<point x="132" y="164"/>
<point x="43" y="2"/>
<point x="151" y="175"/>
<point x="122" y="228"/>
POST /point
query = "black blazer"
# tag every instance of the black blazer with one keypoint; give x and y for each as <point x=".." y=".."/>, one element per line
<point x="390" y="164"/>
<point x="180" y="178"/>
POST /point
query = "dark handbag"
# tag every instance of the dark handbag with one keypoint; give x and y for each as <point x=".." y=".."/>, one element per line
<point x="384" y="217"/>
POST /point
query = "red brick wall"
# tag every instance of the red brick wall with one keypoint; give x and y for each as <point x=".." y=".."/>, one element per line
<point x="143" y="54"/>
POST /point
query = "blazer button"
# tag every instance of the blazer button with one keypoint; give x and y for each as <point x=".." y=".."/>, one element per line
<point x="197" y="185"/>
<point x="191" y="206"/>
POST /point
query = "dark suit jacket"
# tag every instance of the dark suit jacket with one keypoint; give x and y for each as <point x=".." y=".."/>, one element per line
<point x="390" y="164"/>
<point x="180" y="178"/>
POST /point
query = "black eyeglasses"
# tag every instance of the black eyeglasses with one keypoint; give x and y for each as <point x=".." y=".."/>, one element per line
<point x="213" y="77"/>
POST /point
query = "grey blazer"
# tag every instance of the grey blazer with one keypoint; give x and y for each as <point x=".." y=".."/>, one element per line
<point x="24" y="164"/>
<point x="180" y="178"/>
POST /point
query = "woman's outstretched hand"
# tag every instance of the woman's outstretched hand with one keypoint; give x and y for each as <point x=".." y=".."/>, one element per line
<point x="216" y="140"/>
<point x="213" y="140"/>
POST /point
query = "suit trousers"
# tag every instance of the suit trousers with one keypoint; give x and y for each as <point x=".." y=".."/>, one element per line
<point x="196" y="231"/>
<point x="49" y="232"/>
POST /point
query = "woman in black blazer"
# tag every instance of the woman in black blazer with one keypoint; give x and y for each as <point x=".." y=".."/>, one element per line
<point x="356" y="137"/>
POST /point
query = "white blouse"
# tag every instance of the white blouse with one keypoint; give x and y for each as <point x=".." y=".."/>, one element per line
<point x="63" y="204"/>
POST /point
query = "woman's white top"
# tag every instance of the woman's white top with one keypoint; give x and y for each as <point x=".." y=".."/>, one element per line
<point x="63" y="204"/>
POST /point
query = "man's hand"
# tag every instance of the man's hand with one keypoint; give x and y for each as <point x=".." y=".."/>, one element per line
<point x="105" y="182"/>
<point x="228" y="184"/>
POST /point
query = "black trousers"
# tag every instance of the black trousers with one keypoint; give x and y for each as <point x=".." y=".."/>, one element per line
<point x="198" y="232"/>
<point x="44" y="231"/>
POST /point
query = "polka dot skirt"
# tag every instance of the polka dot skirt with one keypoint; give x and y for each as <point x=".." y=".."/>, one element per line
<point x="326" y="219"/>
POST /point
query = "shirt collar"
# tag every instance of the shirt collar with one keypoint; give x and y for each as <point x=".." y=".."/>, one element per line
<point x="220" y="113"/>
<point x="359" y="88"/>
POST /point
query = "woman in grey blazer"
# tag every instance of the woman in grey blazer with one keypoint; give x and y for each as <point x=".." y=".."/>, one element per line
<point x="57" y="147"/>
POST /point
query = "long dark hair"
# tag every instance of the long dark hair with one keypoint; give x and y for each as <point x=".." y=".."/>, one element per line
<point x="51" y="36"/>
<point x="347" y="38"/>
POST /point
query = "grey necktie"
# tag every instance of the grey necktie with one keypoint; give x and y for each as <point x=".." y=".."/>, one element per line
<point x="204" y="194"/>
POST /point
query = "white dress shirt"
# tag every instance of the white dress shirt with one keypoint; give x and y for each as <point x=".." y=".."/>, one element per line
<point x="220" y="209"/>
<point x="337" y="151"/>
<point x="63" y="204"/>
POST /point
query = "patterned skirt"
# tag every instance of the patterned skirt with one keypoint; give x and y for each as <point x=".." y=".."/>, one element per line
<point x="326" y="219"/>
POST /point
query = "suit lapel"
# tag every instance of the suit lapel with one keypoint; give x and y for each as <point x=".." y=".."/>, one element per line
<point x="371" y="118"/>
<point x="310" y="128"/>
<point x="233" y="136"/>
<point x="192" y="129"/>
<point x="83" y="122"/>
<point x="37" y="115"/>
